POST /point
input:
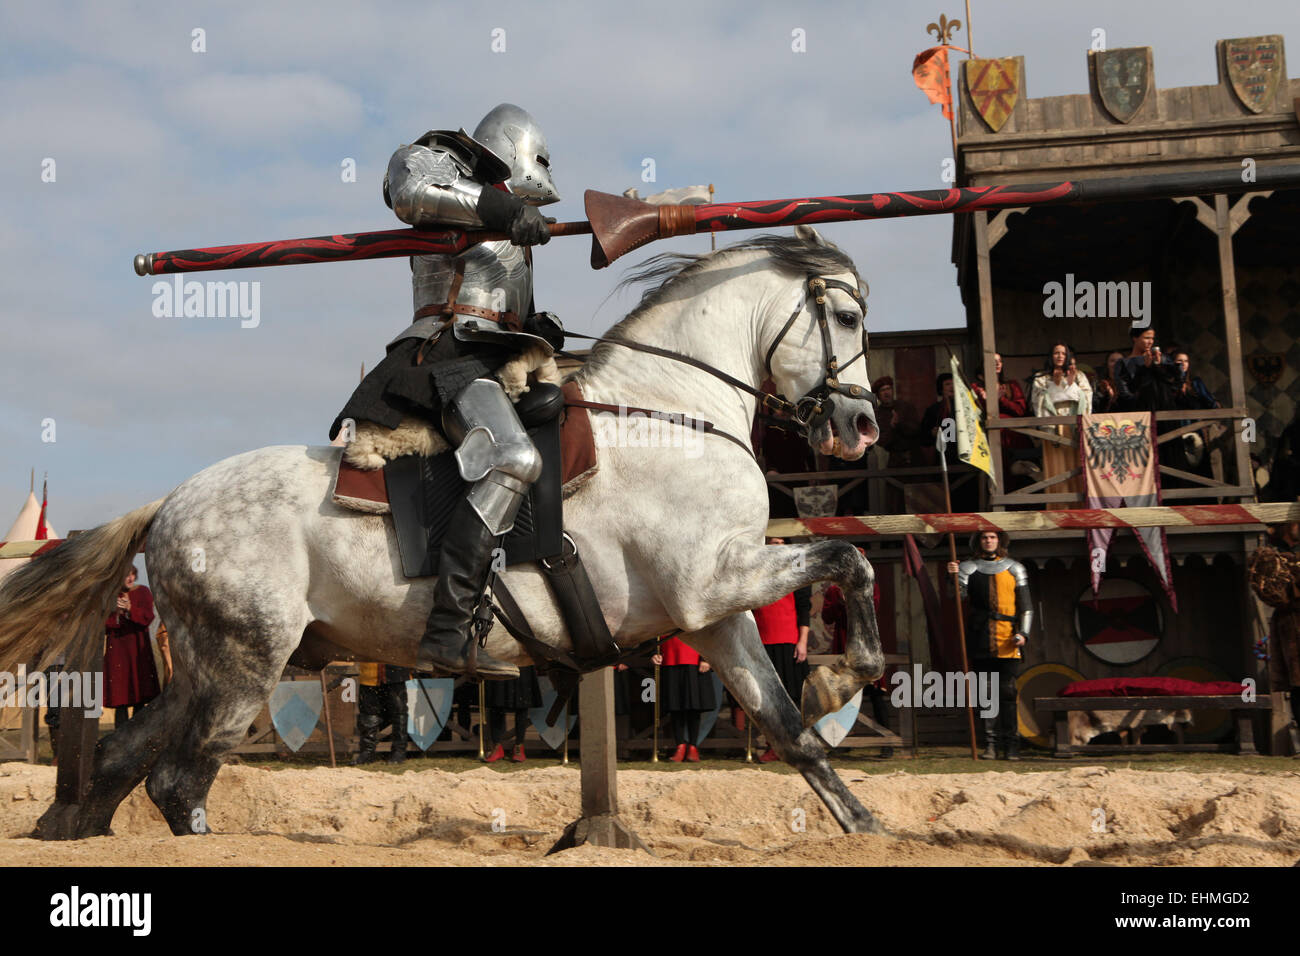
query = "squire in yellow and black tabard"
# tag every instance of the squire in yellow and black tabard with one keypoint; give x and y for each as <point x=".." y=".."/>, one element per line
<point x="999" y="608"/>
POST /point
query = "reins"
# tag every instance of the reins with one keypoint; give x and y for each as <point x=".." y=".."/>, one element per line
<point x="807" y="413"/>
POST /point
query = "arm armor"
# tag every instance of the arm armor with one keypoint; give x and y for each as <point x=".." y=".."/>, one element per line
<point x="432" y="187"/>
<point x="1024" y="600"/>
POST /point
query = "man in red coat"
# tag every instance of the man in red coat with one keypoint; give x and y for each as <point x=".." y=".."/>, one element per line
<point x="130" y="677"/>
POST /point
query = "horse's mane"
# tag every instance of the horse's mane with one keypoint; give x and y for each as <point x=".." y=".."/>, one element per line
<point x="664" y="272"/>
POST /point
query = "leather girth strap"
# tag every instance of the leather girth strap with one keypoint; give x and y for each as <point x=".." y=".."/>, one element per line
<point x="593" y="645"/>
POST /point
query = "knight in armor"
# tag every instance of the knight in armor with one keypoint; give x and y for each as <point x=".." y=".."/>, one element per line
<point x="473" y="313"/>
<point x="999" y="614"/>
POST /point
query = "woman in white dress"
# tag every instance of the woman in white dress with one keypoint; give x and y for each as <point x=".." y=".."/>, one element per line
<point x="1061" y="389"/>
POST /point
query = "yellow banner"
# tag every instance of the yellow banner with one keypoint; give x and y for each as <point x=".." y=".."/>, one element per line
<point x="972" y="445"/>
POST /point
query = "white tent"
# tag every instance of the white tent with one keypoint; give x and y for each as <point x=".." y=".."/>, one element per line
<point x="24" y="529"/>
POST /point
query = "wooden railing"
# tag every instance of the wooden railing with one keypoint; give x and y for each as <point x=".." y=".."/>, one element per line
<point x="1242" y="486"/>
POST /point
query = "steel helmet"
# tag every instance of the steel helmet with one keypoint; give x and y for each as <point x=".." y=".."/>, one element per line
<point x="514" y="135"/>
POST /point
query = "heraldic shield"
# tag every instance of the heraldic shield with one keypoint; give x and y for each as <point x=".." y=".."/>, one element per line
<point x="1123" y="78"/>
<point x="552" y="736"/>
<point x="993" y="87"/>
<point x="833" y="728"/>
<point x="295" y="710"/>
<point x="1254" y="68"/>
<point x="428" y="705"/>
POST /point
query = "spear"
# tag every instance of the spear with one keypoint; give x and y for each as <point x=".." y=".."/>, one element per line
<point x="618" y="225"/>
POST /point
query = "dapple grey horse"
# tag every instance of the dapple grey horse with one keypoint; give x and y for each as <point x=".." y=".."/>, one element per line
<point x="252" y="564"/>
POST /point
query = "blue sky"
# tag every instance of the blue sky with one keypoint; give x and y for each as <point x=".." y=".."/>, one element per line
<point x="159" y="147"/>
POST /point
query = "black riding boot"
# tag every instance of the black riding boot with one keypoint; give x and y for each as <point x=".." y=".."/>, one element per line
<point x="990" y="738"/>
<point x="463" y="567"/>
<point x="396" y="709"/>
<point x="368" y="726"/>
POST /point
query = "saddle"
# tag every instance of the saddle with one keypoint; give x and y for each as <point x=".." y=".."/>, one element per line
<point x="422" y="491"/>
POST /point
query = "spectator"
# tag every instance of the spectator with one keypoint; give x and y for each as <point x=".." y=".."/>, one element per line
<point x="1192" y="392"/>
<point x="900" y="437"/>
<point x="900" y="425"/>
<point x="687" y="692"/>
<point x="381" y="700"/>
<point x="783" y="627"/>
<point x="130" y="676"/>
<point x="934" y="417"/>
<point x="1274" y="575"/>
<point x="1011" y="404"/>
<point x="503" y="696"/>
<point x="1105" y="397"/>
<point x="1146" y="380"/>
<point x="1060" y="389"/>
<point x="965" y="494"/>
<point x="1188" y="453"/>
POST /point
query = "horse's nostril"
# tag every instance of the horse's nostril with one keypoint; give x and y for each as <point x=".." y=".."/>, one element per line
<point x="866" y="427"/>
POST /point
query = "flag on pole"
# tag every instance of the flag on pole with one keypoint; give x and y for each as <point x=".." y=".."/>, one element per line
<point x="930" y="71"/>
<point x="1121" y="469"/>
<point x="972" y="446"/>
<point x="42" y="529"/>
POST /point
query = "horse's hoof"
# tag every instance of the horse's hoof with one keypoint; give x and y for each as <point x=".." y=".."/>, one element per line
<point x="820" y="695"/>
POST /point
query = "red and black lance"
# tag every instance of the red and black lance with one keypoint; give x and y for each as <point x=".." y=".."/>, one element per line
<point x="618" y="225"/>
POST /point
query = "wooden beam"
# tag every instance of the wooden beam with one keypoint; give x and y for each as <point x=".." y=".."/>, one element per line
<point x="1232" y="331"/>
<point x="1167" y="516"/>
<point x="998" y="227"/>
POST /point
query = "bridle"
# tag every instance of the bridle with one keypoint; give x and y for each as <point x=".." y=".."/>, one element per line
<point x="809" y="412"/>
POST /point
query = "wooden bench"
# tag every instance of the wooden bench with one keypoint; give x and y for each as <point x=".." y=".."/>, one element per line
<point x="1241" y="713"/>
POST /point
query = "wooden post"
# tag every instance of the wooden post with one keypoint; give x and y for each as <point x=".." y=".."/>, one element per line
<point x="987" y="340"/>
<point x="599" y="824"/>
<point x="1223" y="229"/>
<point x="329" y="724"/>
<point x="78" y="738"/>
<point x="30" y="734"/>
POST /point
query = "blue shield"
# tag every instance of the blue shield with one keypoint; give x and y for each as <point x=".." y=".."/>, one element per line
<point x="708" y="720"/>
<point x="295" y="710"/>
<point x="428" y="705"/>
<point x="553" y="736"/>
<point x="833" y="728"/>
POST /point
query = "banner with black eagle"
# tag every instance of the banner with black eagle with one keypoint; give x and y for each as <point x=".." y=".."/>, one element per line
<point x="1121" y="469"/>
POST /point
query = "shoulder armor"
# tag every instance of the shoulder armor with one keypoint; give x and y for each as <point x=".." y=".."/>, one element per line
<point x="477" y="159"/>
<point x="1018" y="572"/>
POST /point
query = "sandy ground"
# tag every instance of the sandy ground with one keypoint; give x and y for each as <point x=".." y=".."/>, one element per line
<point x="319" y="816"/>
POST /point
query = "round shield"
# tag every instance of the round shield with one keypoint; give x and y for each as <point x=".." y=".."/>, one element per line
<point x="1207" y="725"/>
<point x="1122" y="625"/>
<point x="1042" y="680"/>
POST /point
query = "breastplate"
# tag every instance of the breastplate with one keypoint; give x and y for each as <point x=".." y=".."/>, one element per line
<point x="497" y="278"/>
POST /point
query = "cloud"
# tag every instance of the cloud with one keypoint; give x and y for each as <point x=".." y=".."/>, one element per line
<point x="254" y="110"/>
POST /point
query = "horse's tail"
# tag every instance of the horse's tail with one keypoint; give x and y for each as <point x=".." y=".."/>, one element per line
<point x="57" y="603"/>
